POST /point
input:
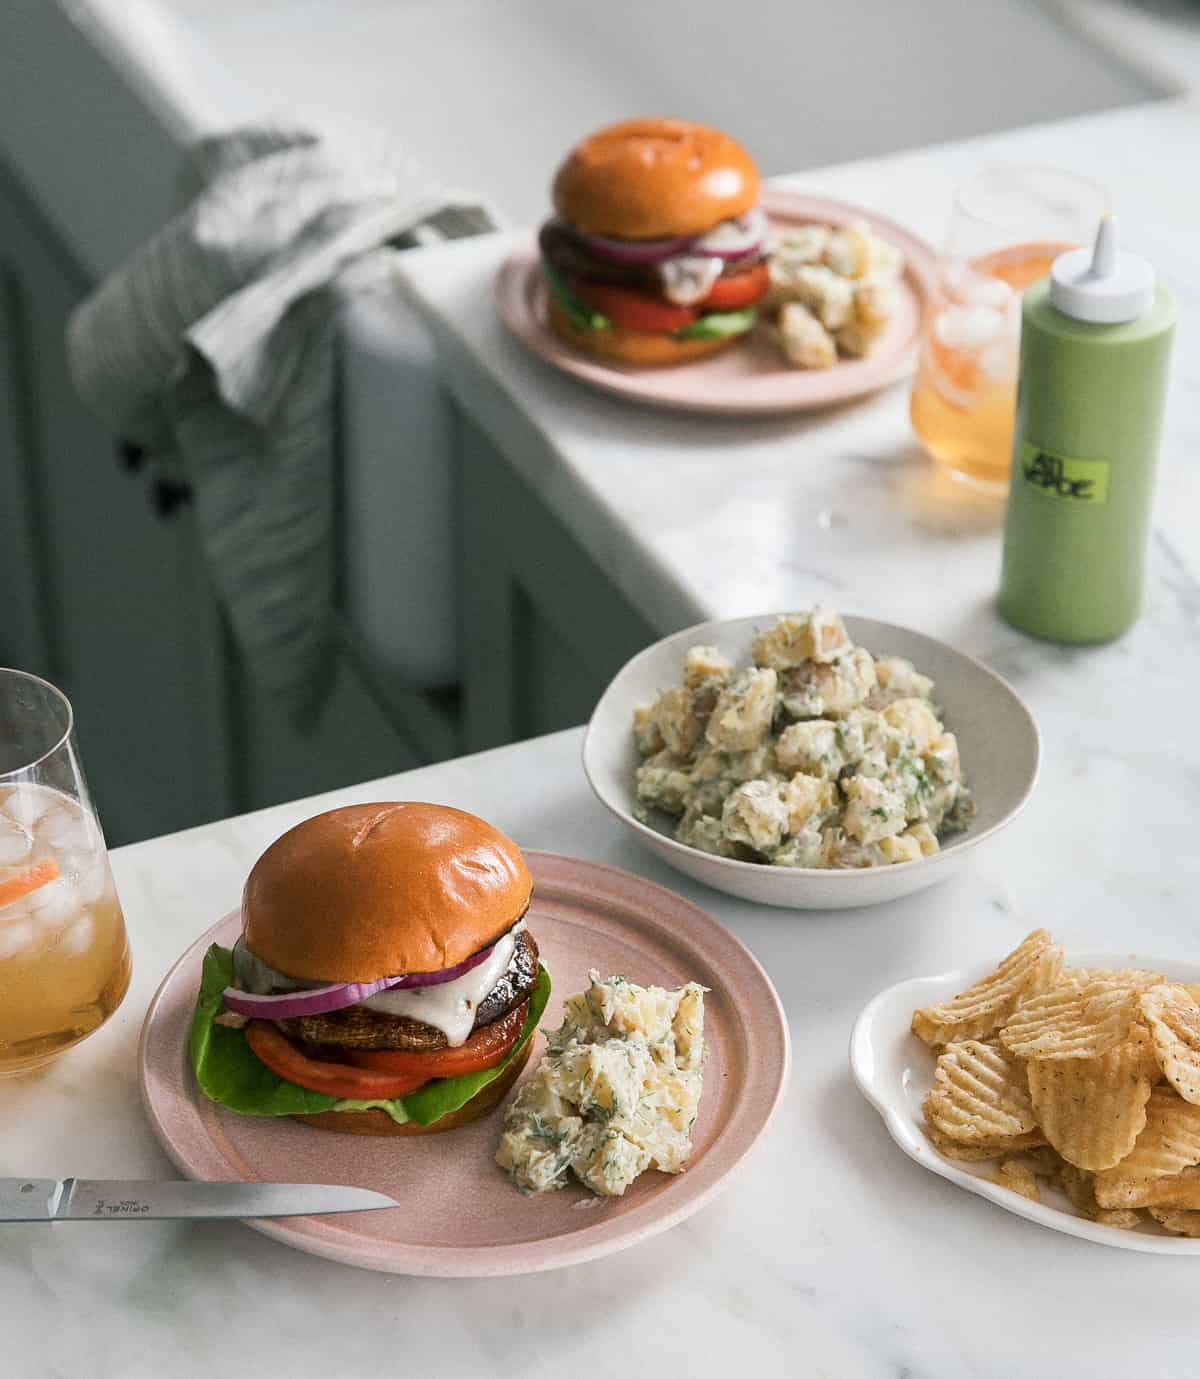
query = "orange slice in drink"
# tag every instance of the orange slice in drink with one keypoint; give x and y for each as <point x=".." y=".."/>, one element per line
<point x="956" y="368"/>
<point x="27" y="881"/>
<point x="1021" y="264"/>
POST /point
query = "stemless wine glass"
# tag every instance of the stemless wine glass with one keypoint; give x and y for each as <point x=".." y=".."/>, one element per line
<point x="64" y="957"/>
<point x="1008" y="225"/>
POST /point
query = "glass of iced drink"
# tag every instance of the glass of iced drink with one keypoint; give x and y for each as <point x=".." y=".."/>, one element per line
<point x="1007" y="227"/>
<point x="64" y="958"/>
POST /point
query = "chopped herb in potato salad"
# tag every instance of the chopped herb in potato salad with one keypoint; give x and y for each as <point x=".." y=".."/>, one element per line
<point x="615" y="1094"/>
<point x="818" y="755"/>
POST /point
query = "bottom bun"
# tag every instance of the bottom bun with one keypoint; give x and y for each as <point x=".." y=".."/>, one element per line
<point x="632" y="346"/>
<point x="377" y="1122"/>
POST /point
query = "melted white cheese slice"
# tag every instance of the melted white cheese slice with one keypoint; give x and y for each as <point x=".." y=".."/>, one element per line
<point x="451" y="1006"/>
<point x="689" y="278"/>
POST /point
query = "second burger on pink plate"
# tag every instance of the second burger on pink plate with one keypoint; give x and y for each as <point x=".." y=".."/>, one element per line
<point x="669" y="276"/>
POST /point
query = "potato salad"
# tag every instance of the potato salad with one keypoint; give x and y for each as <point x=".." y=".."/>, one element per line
<point x="833" y="291"/>
<point x="615" y="1094"/>
<point x="817" y="755"/>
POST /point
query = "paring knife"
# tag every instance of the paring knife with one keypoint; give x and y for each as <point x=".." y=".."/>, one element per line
<point x="103" y="1199"/>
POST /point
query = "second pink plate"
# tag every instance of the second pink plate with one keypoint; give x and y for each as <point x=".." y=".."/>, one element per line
<point x="751" y="377"/>
<point x="461" y="1216"/>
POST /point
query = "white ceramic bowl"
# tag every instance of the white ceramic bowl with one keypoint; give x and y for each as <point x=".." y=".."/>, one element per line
<point x="997" y="738"/>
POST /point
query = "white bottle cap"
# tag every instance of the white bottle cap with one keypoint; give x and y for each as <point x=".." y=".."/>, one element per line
<point x="1104" y="284"/>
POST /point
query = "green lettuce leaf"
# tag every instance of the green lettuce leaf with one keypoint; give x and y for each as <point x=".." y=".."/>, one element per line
<point x="581" y="317"/>
<point x="228" y="1071"/>
<point x="718" y="325"/>
<point x="445" y="1094"/>
<point x="225" y="1067"/>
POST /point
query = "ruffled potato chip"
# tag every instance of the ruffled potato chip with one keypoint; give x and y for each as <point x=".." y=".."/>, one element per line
<point x="1174" y="1019"/>
<point x="1121" y="1219"/>
<point x="1136" y="977"/>
<point x="1169" y="1144"/>
<point x="1177" y="1220"/>
<point x="1093" y="1109"/>
<point x="979" y="1094"/>
<point x="1180" y="1190"/>
<point x="1079" y="1185"/>
<point x="1083" y="1079"/>
<point x="981" y="1009"/>
<point x="980" y="1150"/>
<point x="1071" y="1021"/>
<point x="1043" y="1161"/>
<point x="1119" y="976"/>
<point x="1018" y="1176"/>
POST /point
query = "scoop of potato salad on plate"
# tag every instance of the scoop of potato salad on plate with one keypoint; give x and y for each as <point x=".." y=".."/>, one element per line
<point x="616" y="1093"/>
<point x="833" y="290"/>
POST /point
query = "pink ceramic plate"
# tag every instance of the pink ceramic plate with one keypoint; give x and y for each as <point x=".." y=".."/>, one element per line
<point x="465" y="1217"/>
<point x="752" y="376"/>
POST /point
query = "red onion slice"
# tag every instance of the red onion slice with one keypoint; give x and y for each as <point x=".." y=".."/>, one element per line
<point x="734" y="239"/>
<point x="627" y="251"/>
<point x="447" y="974"/>
<point x="289" y="1005"/>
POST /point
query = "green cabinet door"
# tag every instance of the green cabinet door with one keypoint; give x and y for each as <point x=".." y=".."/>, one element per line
<point x="101" y="593"/>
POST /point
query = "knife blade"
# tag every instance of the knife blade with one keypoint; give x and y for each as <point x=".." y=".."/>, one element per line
<point x="101" y="1199"/>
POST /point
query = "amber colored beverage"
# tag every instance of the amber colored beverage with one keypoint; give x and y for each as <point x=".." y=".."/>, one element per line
<point x="964" y="394"/>
<point x="64" y="957"/>
<point x="64" y="960"/>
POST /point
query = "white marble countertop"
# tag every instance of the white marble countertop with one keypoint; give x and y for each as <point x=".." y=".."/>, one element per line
<point x="830" y="1256"/>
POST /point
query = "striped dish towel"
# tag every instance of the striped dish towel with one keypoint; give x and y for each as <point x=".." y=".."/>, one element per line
<point x="213" y="349"/>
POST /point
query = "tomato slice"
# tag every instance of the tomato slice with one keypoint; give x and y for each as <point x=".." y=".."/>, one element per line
<point x="397" y="1074"/>
<point x="740" y="290"/>
<point x="625" y="306"/>
<point x="484" y="1049"/>
<point x="277" y="1051"/>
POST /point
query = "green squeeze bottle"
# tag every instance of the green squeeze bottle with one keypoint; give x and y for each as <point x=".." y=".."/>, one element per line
<point x="1095" y="341"/>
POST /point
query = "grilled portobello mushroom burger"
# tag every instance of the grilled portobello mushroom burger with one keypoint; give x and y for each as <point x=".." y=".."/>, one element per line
<point x="385" y="982"/>
<point x="656" y="252"/>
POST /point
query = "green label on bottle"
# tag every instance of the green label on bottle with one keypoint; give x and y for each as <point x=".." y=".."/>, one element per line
<point x="1060" y="476"/>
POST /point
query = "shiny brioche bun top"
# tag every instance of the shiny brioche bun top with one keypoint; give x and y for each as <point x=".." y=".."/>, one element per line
<point x="651" y="178"/>
<point x="382" y="890"/>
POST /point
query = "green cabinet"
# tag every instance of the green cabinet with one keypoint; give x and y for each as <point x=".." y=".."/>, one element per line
<point x="110" y="598"/>
<point x="543" y="627"/>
